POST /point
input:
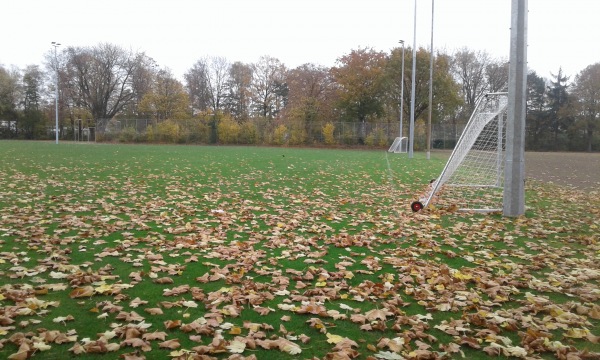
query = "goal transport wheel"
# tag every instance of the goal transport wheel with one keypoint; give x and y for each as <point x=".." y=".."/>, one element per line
<point x="416" y="206"/>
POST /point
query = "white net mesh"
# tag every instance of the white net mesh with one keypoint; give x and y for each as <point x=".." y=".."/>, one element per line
<point x="473" y="176"/>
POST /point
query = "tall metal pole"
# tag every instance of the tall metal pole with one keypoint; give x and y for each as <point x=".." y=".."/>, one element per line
<point x="411" y="133"/>
<point x="514" y="169"/>
<point x="402" y="89"/>
<point x="430" y="88"/>
<point x="55" y="44"/>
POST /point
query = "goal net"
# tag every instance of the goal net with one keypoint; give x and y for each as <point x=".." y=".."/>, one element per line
<point x="473" y="178"/>
<point x="400" y="145"/>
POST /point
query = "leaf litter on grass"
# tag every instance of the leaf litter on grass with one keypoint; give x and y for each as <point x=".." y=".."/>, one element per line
<point x="284" y="259"/>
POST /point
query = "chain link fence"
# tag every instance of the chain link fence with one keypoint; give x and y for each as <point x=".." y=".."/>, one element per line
<point x="271" y="132"/>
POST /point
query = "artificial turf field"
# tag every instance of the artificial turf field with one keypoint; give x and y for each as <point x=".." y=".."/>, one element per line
<point x="157" y="252"/>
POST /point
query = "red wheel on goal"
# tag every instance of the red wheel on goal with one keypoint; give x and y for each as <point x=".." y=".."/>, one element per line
<point x="416" y="206"/>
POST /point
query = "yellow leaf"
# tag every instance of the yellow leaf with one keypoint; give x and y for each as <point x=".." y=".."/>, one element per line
<point x="103" y="289"/>
<point x="236" y="330"/>
<point x="334" y="339"/>
<point x="462" y="276"/>
<point x="576" y="333"/>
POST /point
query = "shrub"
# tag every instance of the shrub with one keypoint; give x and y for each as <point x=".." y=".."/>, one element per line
<point x="167" y="131"/>
<point x="228" y="131"/>
<point x="280" y="135"/>
<point x="376" y="138"/>
<point x="128" y="135"/>
<point x="298" y="133"/>
<point x="328" y="134"/>
<point x="198" y="131"/>
<point x="248" y="133"/>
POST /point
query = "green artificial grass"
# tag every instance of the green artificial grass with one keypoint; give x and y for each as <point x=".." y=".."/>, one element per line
<point x="295" y="241"/>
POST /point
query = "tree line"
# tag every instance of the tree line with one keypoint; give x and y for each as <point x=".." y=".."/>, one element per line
<point x="267" y="102"/>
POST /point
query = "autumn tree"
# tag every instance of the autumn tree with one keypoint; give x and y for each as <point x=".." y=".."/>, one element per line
<point x="360" y="80"/>
<point x="167" y="99"/>
<point x="587" y="94"/>
<point x="446" y="98"/>
<point x="311" y="96"/>
<point x="142" y="81"/>
<point x="101" y="78"/>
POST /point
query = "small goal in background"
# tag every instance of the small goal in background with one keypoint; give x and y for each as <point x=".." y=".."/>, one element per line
<point x="400" y="145"/>
<point x="473" y="178"/>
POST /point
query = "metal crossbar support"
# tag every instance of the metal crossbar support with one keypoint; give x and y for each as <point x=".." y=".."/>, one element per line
<point x="514" y="169"/>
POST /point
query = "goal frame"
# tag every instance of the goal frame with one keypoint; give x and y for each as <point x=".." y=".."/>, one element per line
<point x="399" y="146"/>
<point x="468" y="138"/>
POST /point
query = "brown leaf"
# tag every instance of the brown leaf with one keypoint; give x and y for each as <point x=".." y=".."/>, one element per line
<point x="157" y="335"/>
<point x="172" y="324"/>
<point x="137" y="342"/>
<point x="163" y="280"/>
<point x="86" y="291"/>
<point x="154" y="311"/>
<point x="170" y="344"/>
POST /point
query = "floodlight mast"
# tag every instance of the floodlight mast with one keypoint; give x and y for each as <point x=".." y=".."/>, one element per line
<point x="56" y="44"/>
<point x="411" y="133"/>
<point x="430" y="88"/>
<point x="402" y="88"/>
<point x="514" y="169"/>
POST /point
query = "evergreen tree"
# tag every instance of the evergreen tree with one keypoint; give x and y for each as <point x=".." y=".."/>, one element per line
<point x="559" y="112"/>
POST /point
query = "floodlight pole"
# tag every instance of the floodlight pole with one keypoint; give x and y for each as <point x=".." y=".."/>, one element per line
<point x="514" y="169"/>
<point x="430" y="88"/>
<point x="55" y="44"/>
<point x="402" y="89"/>
<point x="411" y="133"/>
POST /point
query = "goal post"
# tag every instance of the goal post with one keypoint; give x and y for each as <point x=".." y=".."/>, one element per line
<point x="514" y="191"/>
<point x="473" y="177"/>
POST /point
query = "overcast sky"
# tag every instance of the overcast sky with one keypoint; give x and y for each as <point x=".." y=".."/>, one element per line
<point x="176" y="33"/>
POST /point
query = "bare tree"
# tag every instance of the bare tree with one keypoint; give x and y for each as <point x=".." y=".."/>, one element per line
<point x="496" y="74"/>
<point x="237" y="96"/>
<point x="144" y="76"/>
<point x="196" y="80"/>
<point x="102" y="80"/>
<point x="269" y="90"/>
<point x="218" y="73"/>
<point x="469" y="68"/>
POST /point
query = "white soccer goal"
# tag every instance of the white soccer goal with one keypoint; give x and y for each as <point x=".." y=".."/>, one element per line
<point x="400" y="145"/>
<point x="473" y="177"/>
